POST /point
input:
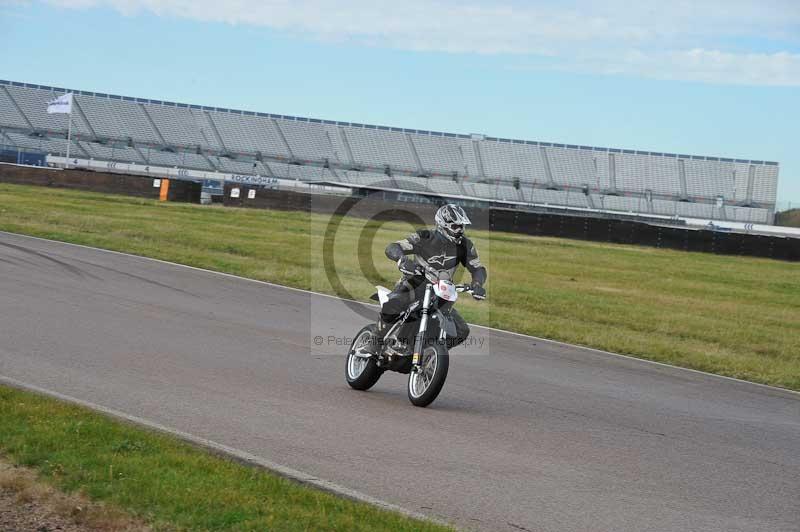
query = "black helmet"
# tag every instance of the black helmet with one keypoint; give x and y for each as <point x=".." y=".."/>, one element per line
<point x="450" y="221"/>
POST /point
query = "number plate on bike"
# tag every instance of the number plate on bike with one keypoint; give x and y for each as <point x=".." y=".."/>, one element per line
<point x="445" y="290"/>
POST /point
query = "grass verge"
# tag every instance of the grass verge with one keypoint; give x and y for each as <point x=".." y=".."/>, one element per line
<point x="735" y="316"/>
<point x="28" y="503"/>
<point x="164" y="482"/>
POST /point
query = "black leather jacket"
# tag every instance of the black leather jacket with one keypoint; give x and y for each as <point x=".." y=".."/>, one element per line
<point x="433" y="249"/>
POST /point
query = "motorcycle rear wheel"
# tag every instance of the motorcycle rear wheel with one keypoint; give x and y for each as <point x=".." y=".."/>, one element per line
<point x="425" y="382"/>
<point x="362" y="373"/>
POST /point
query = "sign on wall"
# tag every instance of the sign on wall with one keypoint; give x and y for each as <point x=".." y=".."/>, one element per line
<point x="255" y="180"/>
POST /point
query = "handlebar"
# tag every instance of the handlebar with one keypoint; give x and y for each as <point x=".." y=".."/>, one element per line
<point x="428" y="272"/>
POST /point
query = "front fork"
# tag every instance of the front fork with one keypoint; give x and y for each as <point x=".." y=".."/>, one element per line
<point x="423" y="326"/>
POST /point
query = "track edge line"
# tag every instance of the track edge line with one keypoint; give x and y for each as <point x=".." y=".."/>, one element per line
<point x="222" y="450"/>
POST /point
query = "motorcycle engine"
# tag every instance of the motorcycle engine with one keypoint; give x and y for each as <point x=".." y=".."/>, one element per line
<point x="398" y="356"/>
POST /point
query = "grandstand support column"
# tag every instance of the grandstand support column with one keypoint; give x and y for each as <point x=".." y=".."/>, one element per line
<point x="548" y="172"/>
<point x="268" y="168"/>
<point x="18" y="108"/>
<point x="588" y="194"/>
<point x="462" y="188"/>
<point x="215" y="131"/>
<point x="346" y="144"/>
<point x="77" y="107"/>
<point x="153" y="125"/>
<point x="751" y="179"/>
<point x="612" y="173"/>
<point x="332" y="170"/>
<point x="138" y="150"/>
<point x="476" y="147"/>
<point x="283" y="138"/>
<point x="69" y="134"/>
<point x="413" y="150"/>
<point x="210" y="162"/>
<point x="7" y="138"/>
<point x="682" y="179"/>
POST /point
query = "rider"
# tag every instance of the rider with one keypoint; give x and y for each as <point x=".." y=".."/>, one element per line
<point x="443" y="249"/>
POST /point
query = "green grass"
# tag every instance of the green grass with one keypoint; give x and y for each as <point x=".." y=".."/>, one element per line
<point x="735" y="316"/>
<point x="165" y="482"/>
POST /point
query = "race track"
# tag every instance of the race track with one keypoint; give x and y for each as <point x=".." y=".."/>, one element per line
<point x="527" y="434"/>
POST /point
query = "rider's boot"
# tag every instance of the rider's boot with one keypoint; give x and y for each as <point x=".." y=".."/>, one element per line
<point x="381" y="327"/>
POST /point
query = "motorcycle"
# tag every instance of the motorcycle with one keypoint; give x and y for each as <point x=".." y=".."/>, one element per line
<point x="424" y="326"/>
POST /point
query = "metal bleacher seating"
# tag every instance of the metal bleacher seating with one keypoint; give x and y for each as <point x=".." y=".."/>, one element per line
<point x="507" y="161"/>
<point x="242" y="133"/>
<point x="111" y="153"/>
<point x="118" y="119"/>
<point x="137" y="130"/>
<point x="9" y="115"/>
<point x="307" y="143"/>
<point x="386" y="148"/>
<point x="439" y="154"/>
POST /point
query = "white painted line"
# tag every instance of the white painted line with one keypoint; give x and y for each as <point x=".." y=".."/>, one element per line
<point x="241" y="456"/>
<point x="502" y="331"/>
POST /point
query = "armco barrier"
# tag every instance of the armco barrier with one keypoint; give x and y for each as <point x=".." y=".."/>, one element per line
<point x="183" y="191"/>
<point x="531" y="223"/>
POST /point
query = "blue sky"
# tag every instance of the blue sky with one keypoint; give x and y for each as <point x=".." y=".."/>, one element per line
<point x="711" y="78"/>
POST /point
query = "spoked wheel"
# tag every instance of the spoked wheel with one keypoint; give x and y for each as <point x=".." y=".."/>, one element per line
<point x="361" y="370"/>
<point x="425" y="383"/>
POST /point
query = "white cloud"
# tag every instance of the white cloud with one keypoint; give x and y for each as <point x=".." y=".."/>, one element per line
<point x="698" y="64"/>
<point x="709" y="41"/>
<point x="780" y="68"/>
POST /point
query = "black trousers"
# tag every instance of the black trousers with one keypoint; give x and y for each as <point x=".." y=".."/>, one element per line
<point x="409" y="290"/>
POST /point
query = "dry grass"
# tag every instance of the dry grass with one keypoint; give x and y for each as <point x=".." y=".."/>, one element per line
<point x="75" y="508"/>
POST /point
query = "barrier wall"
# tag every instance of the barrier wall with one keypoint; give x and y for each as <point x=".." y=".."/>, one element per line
<point x="419" y="214"/>
<point x="183" y="191"/>
<point x="646" y="234"/>
<point x="530" y="223"/>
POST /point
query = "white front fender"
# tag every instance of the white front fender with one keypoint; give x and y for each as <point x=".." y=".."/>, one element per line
<point x="383" y="294"/>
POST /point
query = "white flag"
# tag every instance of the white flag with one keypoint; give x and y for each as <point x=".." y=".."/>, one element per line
<point x="62" y="104"/>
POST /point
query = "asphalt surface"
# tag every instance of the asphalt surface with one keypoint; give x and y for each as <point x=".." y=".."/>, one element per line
<point x="527" y="434"/>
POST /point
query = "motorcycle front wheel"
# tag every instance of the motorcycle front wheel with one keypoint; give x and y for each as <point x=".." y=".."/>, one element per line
<point x="426" y="381"/>
<point x="361" y="372"/>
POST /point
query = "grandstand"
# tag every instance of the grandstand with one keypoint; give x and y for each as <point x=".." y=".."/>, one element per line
<point x="220" y="141"/>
